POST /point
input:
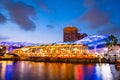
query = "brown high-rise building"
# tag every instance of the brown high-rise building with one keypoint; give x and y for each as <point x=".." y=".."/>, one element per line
<point x="71" y="34"/>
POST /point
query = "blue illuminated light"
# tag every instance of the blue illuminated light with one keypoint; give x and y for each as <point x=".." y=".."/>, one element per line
<point x="15" y="45"/>
<point x="93" y="40"/>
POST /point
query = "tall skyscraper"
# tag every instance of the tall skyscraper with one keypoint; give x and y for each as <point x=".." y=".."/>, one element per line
<point x="71" y="34"/>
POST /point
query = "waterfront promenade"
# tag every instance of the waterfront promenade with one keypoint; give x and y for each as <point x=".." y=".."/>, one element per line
<point x="68" y="59"/>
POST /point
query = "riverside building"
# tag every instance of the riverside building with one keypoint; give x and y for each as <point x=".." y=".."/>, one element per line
<point x="52" y="50"/>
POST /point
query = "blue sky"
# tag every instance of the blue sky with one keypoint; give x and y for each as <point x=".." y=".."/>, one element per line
<point x="42" y="21"/>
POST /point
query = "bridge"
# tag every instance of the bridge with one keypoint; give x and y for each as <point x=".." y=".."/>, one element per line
<point x="15" y="56"/>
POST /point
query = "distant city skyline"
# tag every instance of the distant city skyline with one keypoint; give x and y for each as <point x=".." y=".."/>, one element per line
<point x="43" y="21"/>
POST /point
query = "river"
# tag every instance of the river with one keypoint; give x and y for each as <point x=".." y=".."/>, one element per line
<point x="28" y="70"/>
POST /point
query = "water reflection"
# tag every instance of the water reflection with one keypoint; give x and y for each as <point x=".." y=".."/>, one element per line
<point x="26" y="70"/>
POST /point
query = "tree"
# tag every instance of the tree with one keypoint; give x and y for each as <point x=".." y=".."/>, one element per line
<point x="111" y="41"/>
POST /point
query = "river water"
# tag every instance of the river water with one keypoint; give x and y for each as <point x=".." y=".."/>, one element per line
<point x="27" y="70"/>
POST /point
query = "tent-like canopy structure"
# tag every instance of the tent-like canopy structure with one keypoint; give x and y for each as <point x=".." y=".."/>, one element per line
<point x="17" y="44"/>
<point x="14" y="45"/>
<point x="93" y="40"/>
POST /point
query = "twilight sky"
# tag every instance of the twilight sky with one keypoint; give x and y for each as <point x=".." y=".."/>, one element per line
<point x="42" y="21"/>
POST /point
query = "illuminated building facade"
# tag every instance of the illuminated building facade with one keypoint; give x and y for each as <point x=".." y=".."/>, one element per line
<point x="88" y="45"/>
<point x="71" y="34"/>
<point x="52" y="50"/>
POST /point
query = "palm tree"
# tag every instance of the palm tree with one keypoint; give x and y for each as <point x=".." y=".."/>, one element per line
<point x="111" y="41"/>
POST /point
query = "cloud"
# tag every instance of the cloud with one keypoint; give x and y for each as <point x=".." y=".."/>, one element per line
<point x="97" y="3"/>
<point x="96" y="14"/>
<point x="95" y="18"/>
<point x="50" y="26"/>
<point x="3" y="38"/>
<point x="20" y="14"/>
<point x="42" y="5"/>
<point x="112" y="28"/>
<point x="2" y="18"/>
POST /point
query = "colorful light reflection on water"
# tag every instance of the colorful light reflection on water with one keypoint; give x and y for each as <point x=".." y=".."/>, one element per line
<point x="26" y="70"/>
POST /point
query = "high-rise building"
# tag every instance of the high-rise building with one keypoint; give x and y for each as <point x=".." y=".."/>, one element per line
<point x="71" y="34"/>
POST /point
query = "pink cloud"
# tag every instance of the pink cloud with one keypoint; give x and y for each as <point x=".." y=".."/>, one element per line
<point x="20" y="14"/>
<point x="95" y="18"/>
